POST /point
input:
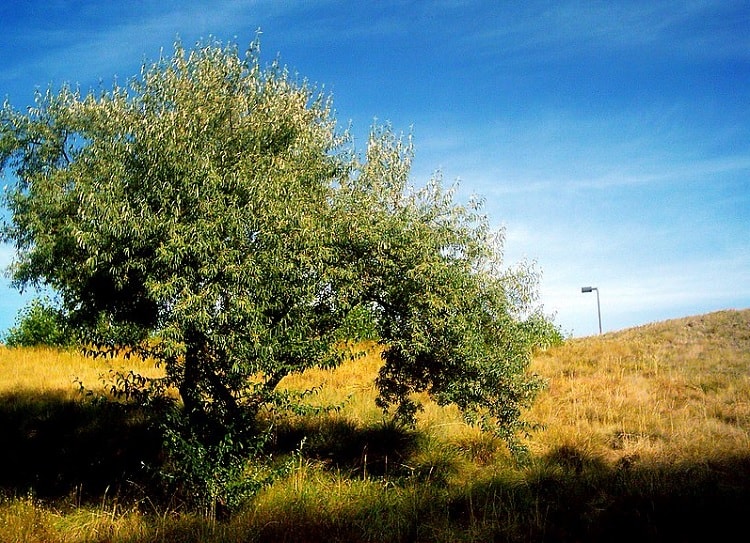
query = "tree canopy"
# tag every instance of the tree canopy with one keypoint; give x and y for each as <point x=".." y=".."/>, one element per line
<point x="211" y="215"/>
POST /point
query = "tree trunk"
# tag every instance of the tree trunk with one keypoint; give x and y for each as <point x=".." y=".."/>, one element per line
<point x="189" y="387"/>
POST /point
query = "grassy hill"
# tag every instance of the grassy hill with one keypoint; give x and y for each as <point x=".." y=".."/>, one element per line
<point x="645" y="436"/>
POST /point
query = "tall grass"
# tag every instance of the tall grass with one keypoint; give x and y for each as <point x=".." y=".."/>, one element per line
<point x="646" y="437"/>
<point x="667" y="392"/>
<point x="48" y="370"/>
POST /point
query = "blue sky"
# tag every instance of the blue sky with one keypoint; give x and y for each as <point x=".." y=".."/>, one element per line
<point x="611" y="140"/>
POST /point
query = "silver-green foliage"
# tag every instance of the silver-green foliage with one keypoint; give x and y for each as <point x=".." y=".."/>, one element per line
<point x="210" y="214"/>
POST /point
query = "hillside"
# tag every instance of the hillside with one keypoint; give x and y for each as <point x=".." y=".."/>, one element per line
<point x="645" y="436"/>
<point x="672" y="390"/>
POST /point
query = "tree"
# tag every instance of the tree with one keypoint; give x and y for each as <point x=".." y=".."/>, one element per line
<point x="210" y="215"/>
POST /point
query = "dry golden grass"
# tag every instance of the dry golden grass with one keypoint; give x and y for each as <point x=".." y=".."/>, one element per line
<point x="351" y="385"/>
<point x="671" y="392"/>
<point x="646" y="437"/>
<point x="52" y="370"/>
<point x="666" y="392"/>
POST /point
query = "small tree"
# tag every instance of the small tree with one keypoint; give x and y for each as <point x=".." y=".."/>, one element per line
<point x="209" y="215"/>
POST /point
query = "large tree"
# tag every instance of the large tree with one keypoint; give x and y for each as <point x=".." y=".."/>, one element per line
<point x="210" y="215"/>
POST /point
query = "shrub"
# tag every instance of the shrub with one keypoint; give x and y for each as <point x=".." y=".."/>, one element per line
<point x="39" y="323"/>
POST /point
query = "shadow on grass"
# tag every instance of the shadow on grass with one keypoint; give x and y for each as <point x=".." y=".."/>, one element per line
<point x="565" y="497"/>
<point x="568" y="496"/>
<point x="54" y="446"/>
<point x="384" y="449"/>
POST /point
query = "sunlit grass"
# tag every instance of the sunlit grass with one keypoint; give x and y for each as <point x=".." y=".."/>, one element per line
<point x="47" y="369"/>
<point x="675" y="391"/>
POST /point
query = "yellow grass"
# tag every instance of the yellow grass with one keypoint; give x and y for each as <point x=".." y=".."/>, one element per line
<point x="352" y="384"/>
<point x="51" y="370"/>
<point x="653" y="407"/>
<point x="676" y="390"/>
<point x="671" y="391"/>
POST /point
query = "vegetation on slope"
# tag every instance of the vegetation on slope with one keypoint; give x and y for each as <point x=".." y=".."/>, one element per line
<point x="646" y="437"/>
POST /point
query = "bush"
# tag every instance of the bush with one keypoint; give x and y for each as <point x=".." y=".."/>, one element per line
<point x="541" y="332"/>
<point x="39" y="323"/>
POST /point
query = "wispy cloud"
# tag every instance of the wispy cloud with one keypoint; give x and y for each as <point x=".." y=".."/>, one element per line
<point x="669" y="29"/>
<point x="684" y="172"/>
<point x="653" y="292"/>
<point x="92" y="51"/>
<point x="567" y="151"/>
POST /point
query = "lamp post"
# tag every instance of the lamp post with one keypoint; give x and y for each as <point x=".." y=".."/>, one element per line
<point x="598" y="307"/>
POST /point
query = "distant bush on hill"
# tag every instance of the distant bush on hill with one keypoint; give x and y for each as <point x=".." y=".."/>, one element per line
<point x="39" y="323"/>
<point x="542" y="332"/>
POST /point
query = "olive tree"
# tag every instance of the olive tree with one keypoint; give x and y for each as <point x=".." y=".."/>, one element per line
<point x="209" y="214"/>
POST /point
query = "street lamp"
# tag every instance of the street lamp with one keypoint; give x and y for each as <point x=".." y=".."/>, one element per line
<point x="598" y="307"/>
